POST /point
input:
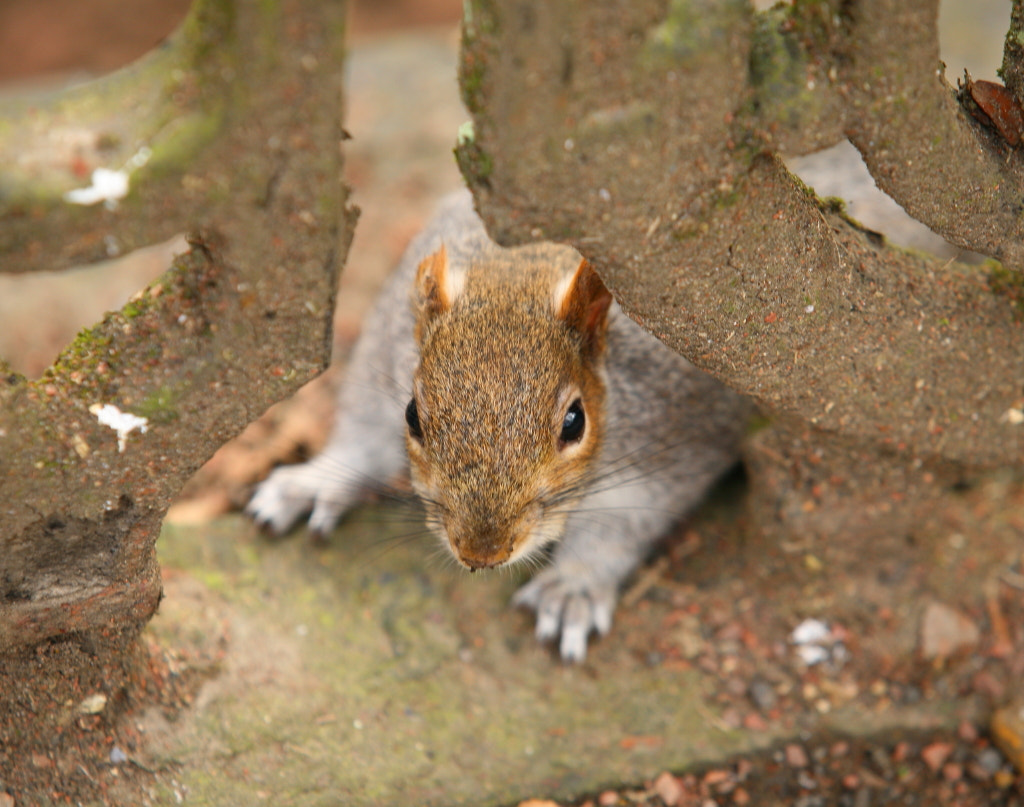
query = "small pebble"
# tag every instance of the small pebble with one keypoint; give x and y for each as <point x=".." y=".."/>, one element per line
<point x="944" y="631"/>
<point x="608" y="799"/>
<point x="669" y="789"/>
<point x="732" y="718"/>
<point x="989" y="760"/>
<point x="952" y="772"/>
<point x="41" y="761"/>
<point x="911" y="695"/>
<point x="716" y="777"/>
<point x="967" y="731"/>
<point x="986" y="683"/>
<point x="752" y="721"/>
<point x="977" y="772"/>
<point x="936" y="754"/>
<point x="762" y="694"/>
<point x="795" y="755"/>
<point x="93" y="705"/>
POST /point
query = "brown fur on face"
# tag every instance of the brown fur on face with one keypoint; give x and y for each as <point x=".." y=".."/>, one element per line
<point x="496" y="479"/>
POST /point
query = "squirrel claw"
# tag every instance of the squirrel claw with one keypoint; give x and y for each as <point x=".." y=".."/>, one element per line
<point x="324" y="518"/>
<point x="567" y="610"/>
<point x="270" y="516"/>
<point x="291" y="492"/>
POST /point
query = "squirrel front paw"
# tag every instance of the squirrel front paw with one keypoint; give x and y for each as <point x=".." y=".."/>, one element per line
<point x="570" y="606"/>
<point x="291" y="492"/>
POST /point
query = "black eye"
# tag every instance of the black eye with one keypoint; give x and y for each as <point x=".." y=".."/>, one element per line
<point x="412" y="417"/>
<point x="573" y="423"/>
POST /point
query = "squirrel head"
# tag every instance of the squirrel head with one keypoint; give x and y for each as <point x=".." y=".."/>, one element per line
<point x="507" y="412"/>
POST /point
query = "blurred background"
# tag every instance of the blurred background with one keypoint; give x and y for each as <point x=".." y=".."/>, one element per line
<point x="46" y="40"/>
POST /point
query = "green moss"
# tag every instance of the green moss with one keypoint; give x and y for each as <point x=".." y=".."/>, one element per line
<point x="479" y="27"/>
<point x="160" y="406"/>
<point x="691" y="29"/>
<point x="133" y="308"/>
<point x="779" y="67"/>
<point x="727" y="198"/>
<point x="208" y="28"/>
<point x="676" y="35"/>
<point x="184" y="138"/>
<point x="776" y="58"/>
<point x="471" y="80"/>
<point x="475" y="164"/>
<point x="88" y="348"/>
<point x="1006" y="283"/>
<point x="478" y="19"/>
<point x="758" y="422"/>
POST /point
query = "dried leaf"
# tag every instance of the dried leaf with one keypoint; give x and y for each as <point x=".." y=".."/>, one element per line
<point x="1001" y="108"/>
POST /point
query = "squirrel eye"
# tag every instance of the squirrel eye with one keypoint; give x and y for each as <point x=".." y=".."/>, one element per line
<point x="412" y="418"/>
<point x="573" y="423"/>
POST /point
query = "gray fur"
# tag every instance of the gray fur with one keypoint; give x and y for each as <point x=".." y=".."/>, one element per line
<point x="671" y="431"/>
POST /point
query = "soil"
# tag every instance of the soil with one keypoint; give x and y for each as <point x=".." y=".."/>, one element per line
<point x="716" y="602"/>
<point x="881" y="665"/>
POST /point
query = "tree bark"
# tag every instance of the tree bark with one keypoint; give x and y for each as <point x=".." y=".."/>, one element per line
<point x="243" y="117"/>
<point x="647" y="136"/>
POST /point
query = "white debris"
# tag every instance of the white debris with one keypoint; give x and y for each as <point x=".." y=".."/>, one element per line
<point x="124" y="423"/>
<point x="107" y="186"/>
<point x="93" y="705"/>
<point x="1013" y="416"/>
<point x="815" y="643"/>
<point x="810" y="631"/>
<point x="811" y="654"/>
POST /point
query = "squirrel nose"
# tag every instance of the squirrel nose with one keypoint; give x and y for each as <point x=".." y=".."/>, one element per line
<point x="475" y="562"/>
<point x="483" y="552"/>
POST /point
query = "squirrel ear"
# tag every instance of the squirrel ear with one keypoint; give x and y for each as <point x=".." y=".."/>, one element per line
<point x="582" y="302"/>
<point x="435" y="287"/>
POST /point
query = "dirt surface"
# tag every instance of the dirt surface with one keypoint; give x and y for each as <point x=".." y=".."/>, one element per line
<point x="367" y="672"/>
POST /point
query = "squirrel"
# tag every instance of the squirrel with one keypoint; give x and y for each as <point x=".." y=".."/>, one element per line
<point x="529" y="410"/>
